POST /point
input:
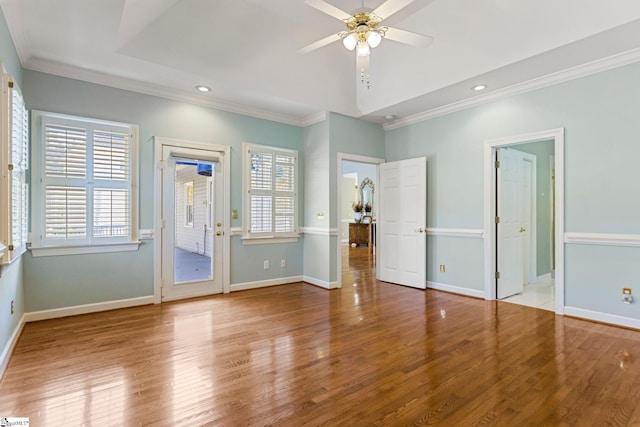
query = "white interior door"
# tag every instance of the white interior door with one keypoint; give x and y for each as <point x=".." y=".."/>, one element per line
<point x="402" y="218"/>
<point x="510" y="228"/>
<point x="192" y="212"/>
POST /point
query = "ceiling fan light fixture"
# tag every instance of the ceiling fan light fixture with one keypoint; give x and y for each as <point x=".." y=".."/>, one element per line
<point x="350" y="41"/>
<point x="374" y="38"/>
<point x="363" y="48"/>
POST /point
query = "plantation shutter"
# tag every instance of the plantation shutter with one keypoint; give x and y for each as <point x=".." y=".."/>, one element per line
<point x="272" y="192"/>
<point x="111" y="162"/>
<point x="65" y="205"/>
<point x="284" y="193"/>
<point x="19" y="161"/>
<point x="261" y="183"/>
<point x="87" y="191"/>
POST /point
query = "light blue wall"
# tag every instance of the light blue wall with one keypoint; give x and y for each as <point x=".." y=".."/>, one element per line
<point x="61" y="281"/>
<point x="11" y="280"/>
<point x="11" y="289"/>
<point x="602" y="130"/>
<point x="8" y="55"/>
<point x="543" y="150"/>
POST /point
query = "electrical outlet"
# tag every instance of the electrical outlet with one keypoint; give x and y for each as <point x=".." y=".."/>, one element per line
<point x="266" y="264"/>
<point x="283" y="263"/>
<point x="626" y="291"/>
<point x="442" y="268"/>
<point x="12" y="306"/>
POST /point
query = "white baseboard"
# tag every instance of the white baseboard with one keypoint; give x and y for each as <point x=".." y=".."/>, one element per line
<point x="321" y="283"/>
<point x="264" y="283"/>
<point x="8" y="348"/>
<point x="612" y="319"/>
<point x="87" y="308"/>
<point x="455" y="289"/>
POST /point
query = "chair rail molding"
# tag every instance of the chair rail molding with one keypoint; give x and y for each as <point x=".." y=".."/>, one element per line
<point x="602" y="239"/>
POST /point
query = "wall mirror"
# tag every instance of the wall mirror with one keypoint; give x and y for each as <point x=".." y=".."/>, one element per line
<point x="366" y="196"/>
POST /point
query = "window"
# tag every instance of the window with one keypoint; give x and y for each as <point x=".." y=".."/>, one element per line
<point x="188" y="204"/>
<point x="271" y="200"/>
<point x="14" y="158"/>
<point x="87" y="173"/>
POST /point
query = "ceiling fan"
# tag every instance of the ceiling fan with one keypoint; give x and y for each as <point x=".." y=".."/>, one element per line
<point x="364" y="31"/>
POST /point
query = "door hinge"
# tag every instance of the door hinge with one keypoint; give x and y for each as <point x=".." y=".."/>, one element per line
<point x="497" y="164"/>
<point x="497" y="274"/>
<point x="10" y="84"/>
<point x="10" y="247"/>
<point x="497" y="220"/>
<point x="161" y="164"/>
<point x="10" y="166"/>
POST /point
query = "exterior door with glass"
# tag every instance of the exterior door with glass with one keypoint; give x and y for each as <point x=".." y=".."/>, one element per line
<point x="192" y="214"/>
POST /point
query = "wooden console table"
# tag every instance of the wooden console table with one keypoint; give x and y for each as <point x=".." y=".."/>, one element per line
<point x="362" y="234"/>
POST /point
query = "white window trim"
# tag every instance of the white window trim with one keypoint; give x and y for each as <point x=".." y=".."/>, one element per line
<point x="262" y="239"/>
<point x="37" y="194"/>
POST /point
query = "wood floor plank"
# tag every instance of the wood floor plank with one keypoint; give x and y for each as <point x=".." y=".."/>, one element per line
<point x="371" y="353"/>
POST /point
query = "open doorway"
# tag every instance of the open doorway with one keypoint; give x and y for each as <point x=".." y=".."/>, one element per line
<point x="356" y="219"/>
<point x="524" y="204"/>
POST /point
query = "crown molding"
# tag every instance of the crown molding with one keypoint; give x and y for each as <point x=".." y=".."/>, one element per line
<point x="318" y="117"/>
<point x="131" y="85"/>
<point x="573" y="73"/>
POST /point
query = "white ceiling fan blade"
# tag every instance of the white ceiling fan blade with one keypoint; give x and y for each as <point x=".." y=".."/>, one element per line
<point x="390" y="7"/>
<point x="407" y="37"/>
<point x="329" y="9"/>
<point x="320" y="43"/>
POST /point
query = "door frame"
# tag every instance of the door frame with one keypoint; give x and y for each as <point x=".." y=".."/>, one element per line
<point x="338" y="214"/>
<point x="490" y="257"/>
<point x="159" y="143"/>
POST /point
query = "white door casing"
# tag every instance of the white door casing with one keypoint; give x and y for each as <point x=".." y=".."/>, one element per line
<point x="172" y="290"/>
<point x="402" y="215"/>
<point x="490" y="146"/>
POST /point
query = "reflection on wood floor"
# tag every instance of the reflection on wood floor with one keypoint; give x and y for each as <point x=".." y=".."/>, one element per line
<point x="292" y="355"/>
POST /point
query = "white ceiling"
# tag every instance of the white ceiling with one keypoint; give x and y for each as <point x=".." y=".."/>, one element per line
<point x="246" y="50"/>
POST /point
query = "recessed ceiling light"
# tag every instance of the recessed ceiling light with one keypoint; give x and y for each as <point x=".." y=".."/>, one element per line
<point x="478" y="88"/>
<point x="389" y="117"/>
<point x="203" y="88"/>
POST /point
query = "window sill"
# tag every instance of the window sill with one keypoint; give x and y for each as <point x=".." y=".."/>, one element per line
<point x="5" y="265"/>
<point x="80" y="250"/>
<point x="268" y="240"/>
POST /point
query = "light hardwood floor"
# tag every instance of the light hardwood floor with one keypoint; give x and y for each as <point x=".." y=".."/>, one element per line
<point x="371" y="353"/>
